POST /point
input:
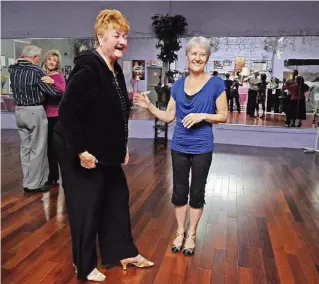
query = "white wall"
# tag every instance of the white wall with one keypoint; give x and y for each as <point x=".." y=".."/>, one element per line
<point x="213" y="18"/>
<point x="250" y="47"/>
<point x="302" y="48"/>
<point x="140" y="49"/>
<point x="144" y="49"/>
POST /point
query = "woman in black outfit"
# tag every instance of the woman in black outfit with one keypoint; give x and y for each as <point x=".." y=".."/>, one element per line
<point x="91" y="137"/>
<point x="234" y="94"/>
<point x="297" y="105"/>
<point x="261" y="97"/>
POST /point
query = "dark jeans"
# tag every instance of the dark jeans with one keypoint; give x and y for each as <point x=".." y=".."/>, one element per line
<point x="52" y="154"/>
<point x="199" y="165"/>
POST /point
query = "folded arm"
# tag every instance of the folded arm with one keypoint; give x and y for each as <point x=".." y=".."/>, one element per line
<point x="220" y="117"/>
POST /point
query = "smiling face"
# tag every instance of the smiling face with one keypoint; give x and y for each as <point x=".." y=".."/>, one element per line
<point x="113" y="43"/>
<point x="197" y="58"/>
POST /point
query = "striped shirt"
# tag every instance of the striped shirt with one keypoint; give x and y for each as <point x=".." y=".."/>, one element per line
<point x="26" y="84"/>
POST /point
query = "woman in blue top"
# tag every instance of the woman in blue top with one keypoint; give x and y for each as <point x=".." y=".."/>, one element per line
<point x="193" y="101"/>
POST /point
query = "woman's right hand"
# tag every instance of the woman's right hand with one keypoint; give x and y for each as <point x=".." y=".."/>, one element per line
<point x="47" y="79"/>
<point x="142" y="100"/>
<point x="87" y="160"/>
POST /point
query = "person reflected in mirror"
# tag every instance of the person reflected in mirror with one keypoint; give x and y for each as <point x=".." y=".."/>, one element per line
<point x="297" y="105"/>
<point x="52" y="65"/>
<point x="253" y="81"/>
<point x="261" y="97"/>
<point x="234" y="95"/>
<point x="29" y="94"/>
<point x="228" y="84"/>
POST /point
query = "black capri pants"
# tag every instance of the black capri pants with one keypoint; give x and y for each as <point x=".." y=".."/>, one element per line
<point x="199" y="165"/>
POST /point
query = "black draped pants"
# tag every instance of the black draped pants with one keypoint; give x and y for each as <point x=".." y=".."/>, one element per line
<point x="251" y="103"/>
<point x="98" y="205"/>
<point x="52" y="155"/>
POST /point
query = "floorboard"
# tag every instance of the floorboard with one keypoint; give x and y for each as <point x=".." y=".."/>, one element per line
<point x="260" y="223"/>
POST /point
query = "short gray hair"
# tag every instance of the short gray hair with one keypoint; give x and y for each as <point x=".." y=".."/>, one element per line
<point x="200" y="40"/>
<point x="31" y="50"/>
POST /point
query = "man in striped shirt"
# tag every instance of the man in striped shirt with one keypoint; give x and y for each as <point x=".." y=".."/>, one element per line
<point x="29" y="92"/>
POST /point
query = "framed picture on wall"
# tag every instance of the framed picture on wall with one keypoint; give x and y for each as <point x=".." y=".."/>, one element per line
<point x="259" y="66"/>
<point x="138" y="69"/>
<point x="218" y="64"/>
<point x="227" y="63"/>
<point x="240" y="62"/>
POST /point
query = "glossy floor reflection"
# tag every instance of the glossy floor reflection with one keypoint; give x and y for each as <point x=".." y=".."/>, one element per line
<point x="260" y="223"/>
<point x="271" y="119"/>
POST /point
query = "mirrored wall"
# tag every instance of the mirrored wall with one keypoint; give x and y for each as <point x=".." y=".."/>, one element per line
<point x="272" y="56"/>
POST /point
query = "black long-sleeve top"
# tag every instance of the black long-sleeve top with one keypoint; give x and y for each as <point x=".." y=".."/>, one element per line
<point x="94" y="110"/>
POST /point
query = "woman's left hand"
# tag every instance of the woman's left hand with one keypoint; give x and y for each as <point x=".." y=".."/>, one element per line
<point x="142" y="100"/>
<point x="193" y="118"/>
<point x="47" y="79"/>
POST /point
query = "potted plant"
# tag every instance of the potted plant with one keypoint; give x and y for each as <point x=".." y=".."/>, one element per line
<point x="4" y="79"/>
<point x="168" y="30"/>
<point x="82" y="44"/>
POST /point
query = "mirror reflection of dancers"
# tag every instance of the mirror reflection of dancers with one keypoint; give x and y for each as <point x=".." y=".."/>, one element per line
<point x="261" y="97"/>
<point x="234" y="94"/>
<point x="52" y="64"/>
<point x="228" y="84"/>
<point x="252" y="93"/>
<point x="297" y="105"/>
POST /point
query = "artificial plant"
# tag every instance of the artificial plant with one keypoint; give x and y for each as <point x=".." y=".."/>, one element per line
<point x="168" y="30"/>
<point x="82" y="44"/>
<point x="4" y="79"/>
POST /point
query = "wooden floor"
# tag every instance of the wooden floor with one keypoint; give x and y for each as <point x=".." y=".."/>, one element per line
<point x="235" y="118"/>
<point x="260" y="223"/>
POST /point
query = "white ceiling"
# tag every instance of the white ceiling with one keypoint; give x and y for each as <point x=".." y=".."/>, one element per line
<point x="223" y="18"/>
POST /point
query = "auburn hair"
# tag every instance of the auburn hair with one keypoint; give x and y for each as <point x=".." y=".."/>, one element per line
<point x="109" y="19"/>
<point x="53" y="52"/>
